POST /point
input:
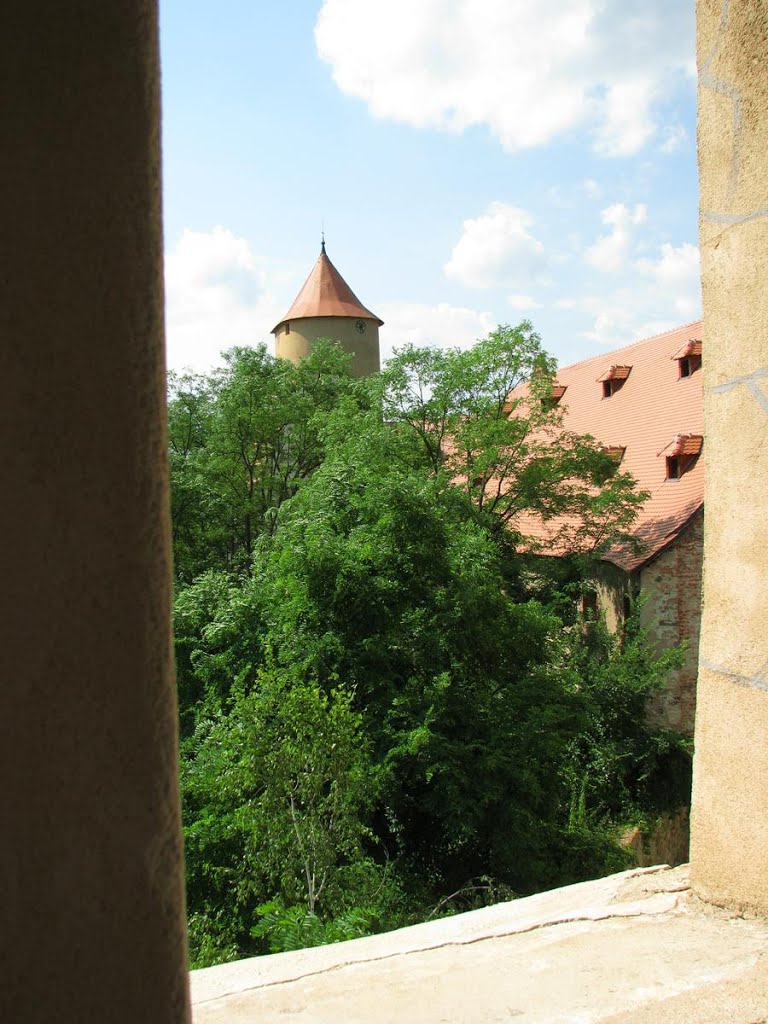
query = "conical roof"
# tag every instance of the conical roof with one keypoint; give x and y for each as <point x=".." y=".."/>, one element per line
<point x="326" y="293"/>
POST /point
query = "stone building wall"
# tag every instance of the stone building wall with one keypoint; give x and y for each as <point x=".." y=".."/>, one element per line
<point x="671" y="585"/>
<point x="672" y="613"/>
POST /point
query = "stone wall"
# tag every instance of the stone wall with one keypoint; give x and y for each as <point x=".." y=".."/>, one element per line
<point x="672" y="585"/>
<point x="729" y="821"/>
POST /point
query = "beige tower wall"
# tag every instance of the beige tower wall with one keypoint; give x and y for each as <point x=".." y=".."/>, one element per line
<point x="307" y="330"/>
<point x="91" y="883"/>
<point x="729" y="845"/>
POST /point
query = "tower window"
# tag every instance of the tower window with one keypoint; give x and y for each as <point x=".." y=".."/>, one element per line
<point x="287" y="328"/>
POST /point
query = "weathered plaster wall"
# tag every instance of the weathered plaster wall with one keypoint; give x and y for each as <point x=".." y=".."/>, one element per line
<point x="91" y="897"/>
<point x="672" y="586"/>
<point x="307" y="330"/>
<point x="729" y="842"/>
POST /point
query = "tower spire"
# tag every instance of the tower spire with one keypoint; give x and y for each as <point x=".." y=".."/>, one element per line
<point x="322" y="242"/>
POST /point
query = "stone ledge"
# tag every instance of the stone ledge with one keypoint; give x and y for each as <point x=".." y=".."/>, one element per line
<point x="615" y="949"/>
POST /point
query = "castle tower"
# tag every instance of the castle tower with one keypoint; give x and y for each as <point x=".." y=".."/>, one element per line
<point x="326" y="307"/>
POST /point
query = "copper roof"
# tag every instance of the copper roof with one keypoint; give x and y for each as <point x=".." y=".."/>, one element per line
<point x="655" y="410"/>
<point x="326" y="293"/>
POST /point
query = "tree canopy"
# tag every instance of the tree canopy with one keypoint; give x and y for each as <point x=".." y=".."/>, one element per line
<point x="385" y="700"/>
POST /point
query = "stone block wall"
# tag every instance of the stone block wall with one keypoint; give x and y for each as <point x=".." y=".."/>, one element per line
<point x="729" y="819"/>
<point x="672" y="585"/>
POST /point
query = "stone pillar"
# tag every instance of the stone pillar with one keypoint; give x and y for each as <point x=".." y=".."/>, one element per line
<point x="91" y="888"/>
<point x="729" y="843"/>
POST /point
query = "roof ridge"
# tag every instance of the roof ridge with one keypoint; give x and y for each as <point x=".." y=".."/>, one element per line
<point x="632" y="344"/>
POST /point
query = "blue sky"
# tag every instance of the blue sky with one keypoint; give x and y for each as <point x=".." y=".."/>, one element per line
<point x="473" y="162"/>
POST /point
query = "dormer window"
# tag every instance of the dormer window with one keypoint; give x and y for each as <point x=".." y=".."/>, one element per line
<point x="615" y="452"/>
<point x="681" y="453"/>
<point x="613" y="379"/>
<point x="688" y="358"/>
<point x="553" y="398"/>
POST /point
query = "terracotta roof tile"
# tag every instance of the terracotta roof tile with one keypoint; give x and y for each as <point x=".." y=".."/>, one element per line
<point x="654" y="409"/>
<point x="326" y="293"/>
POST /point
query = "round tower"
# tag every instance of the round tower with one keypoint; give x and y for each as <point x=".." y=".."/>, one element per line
<point x="326" y="307"/>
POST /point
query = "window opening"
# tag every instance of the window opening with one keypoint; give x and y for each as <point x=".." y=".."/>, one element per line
<point x="589" y="604"/>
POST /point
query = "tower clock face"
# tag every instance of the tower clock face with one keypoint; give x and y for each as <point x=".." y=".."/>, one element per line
<point x="360" y="326"/>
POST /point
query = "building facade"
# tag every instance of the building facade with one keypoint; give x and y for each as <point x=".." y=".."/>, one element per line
<point x="644" y="403"/>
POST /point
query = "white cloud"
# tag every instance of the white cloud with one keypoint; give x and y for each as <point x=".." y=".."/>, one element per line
<point x="529" y="71"/>
<point x="610" y="252"/>
<point x="217" y="296"/>
<point x="591" y="188"/>
<point x="523" y="302"/>
<point x="675" y="136"/>
<point x="677" y="270"/>
<point x="442" y="325"/>
<point x="627" y="122"/>
<point x="663" y="293"/>
<point x="497" y="249"/>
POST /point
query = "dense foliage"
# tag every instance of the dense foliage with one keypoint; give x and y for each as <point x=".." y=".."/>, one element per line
<point x="388" y="707"/>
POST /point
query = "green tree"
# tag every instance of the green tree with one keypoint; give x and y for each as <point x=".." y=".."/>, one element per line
<point x="241" y="442"/>
<point x="276" y="795"/>
<point x="483" y="417"/>
<point x="383" y="704"/>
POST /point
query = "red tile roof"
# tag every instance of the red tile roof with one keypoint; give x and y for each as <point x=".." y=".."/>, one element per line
<point x="615" y="373"/>
<point x="692" y="347"/>
<point x="326" y="293"/>
<point x="655" y="411"/>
